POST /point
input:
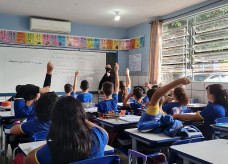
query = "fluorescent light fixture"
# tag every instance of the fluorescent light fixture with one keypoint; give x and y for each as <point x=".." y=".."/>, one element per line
<point x="117" y="17"/>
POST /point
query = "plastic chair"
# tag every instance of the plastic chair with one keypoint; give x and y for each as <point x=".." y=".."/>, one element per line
<point x="110" y="159"/>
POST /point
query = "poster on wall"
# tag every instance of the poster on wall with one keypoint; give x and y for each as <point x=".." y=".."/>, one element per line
<point x="135" y="62"/>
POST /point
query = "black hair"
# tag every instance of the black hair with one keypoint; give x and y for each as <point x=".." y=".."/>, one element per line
<point x="220" y="95"/>
<point x="68" y="88"/>
<point x="18" y="88"/>
<point x="108" y="88"/>
<point x="123" y="89"/>
<point x="84" y="85"/>
<point x="181" y="95"/>
<point x="69" y="137"/>
<point x="138" y="93"/>
<point x="150" y="93"/>
<point x="155" y="87"/>
<point x="44" y="105"/>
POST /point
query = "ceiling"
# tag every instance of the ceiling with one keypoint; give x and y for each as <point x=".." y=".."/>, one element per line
<point x="96" y="12"/>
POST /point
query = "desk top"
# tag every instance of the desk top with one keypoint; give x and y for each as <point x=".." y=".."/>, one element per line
<point x="27" y="147"/>
<point x="91" y="110"/>
<point x="158" y="138"/>
<point x="6" y="114"/>
<point x="213" y="151"/>
<point x="197" y="105"/>
<point x="126" y="120"/>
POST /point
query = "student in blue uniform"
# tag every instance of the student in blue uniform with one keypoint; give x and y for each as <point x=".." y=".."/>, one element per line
<point x="136" y="102"/>
<point x="216" y="108"/>
<point x="147" y="99"/>
<point x="27" y="95"/>
<point x="85" y="96"/>
<point x="69" y="89"/>
<point x="124" y="89"/>
<point x="154" y="110"/>
<point x="71" y="137"/>
<point x="180" y="100"/>
<point x="109" y="105"/>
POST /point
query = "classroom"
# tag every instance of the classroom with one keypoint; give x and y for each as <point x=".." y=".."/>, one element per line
<point x="131" y="81"/>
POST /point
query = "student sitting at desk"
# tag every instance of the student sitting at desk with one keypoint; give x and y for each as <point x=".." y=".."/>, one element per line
<point x="71" y="137"/>
<point x="124" y="89"/>
<point x="85" y="96"/>
<point x="109" y="105"/>
<point x="136" y="102"/>
<point x="216" y="108"/>
<point x="147" y="99"/>
<point x="69" y="89"/>
<point x="180" y="101"/>
<point x="154" y="110"/>
<point x="25" y="99"/>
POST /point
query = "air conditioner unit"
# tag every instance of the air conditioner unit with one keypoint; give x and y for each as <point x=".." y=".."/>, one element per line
<point x="49" y="25"/>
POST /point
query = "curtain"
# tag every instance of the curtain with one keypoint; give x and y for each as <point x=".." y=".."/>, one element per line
<point x="155" y="51"/>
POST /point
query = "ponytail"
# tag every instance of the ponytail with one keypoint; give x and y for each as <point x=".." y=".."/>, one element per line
<point x="181" y="96"/>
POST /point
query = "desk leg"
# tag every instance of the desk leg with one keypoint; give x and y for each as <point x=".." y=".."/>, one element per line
<point x="134" y="147"/>
<point x="6" y="149"/>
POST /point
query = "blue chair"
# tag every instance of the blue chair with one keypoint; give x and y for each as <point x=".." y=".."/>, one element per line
<point x="220" y="133"/>
<point x="110" y="159"/>
<point x="221" y="120"/>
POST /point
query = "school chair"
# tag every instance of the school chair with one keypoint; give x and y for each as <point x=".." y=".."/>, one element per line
<point x="173" y="157"/>
<point x="110" y="159"/>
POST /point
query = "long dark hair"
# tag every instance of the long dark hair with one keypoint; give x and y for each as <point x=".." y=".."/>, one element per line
<point x="181" y="95"/>
<point x="220" y="95"/>
<point x="69" y="137"/>
<point x="124" y="91"/>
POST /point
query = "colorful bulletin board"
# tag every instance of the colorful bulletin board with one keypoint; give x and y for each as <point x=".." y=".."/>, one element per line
<point x="68" y="41"/>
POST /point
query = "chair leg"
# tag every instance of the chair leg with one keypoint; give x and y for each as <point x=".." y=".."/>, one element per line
<point x="14" y="150"/>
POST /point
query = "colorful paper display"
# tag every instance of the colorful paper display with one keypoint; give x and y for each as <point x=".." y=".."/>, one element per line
<point x="39" y="39"/>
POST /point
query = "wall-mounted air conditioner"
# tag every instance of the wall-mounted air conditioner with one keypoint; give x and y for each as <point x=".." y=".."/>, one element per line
<point x="49" y="25"/>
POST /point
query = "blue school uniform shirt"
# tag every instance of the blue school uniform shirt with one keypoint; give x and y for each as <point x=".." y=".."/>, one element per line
<point x="145" y="100"/>
<point x="153" y="113"/>
<point x="43" y="155"/>
<point x="120" y="95"/>
<point x="108" y="105"/>
<point x="135" y="105"/>
<point x="21" y="110"/>
<point x="168" y="107"/>
<point x="73" y="94"/>
<point x="209" y="115"/>
<point x="34" y="126"/>
<point x="85" y="97"/>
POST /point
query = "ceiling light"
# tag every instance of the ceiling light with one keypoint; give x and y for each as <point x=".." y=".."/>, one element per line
<point x="117" y="17"/>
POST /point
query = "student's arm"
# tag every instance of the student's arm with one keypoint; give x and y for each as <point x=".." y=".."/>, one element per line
<point x="31" y="157"/>
<point x="128" y="78"/>
<point x="161" y="91"/>
<point x="47" y="81"/>
<point x="147" y="85"/>
<point x="16" y="130"/>
<point x="126" y="100"/>
<point x="189" y="117"/>
<point x="94" y="125"/>
<point x="75" y="81"/>
<point x="116" y="78"/>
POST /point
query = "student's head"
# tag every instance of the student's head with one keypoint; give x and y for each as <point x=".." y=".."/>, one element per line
<point x="180" y="95"/>
<point x="108" y="88"/>
<point x="123" y="89"/>
<point x="155" y="87"/>
<point x="18" y="88"/>
<point x="108" y="68"/>
<point x="44" y="105"/>
<point x="150" y="93"/>
<point x="137" y="93"/>
<point x="30" y="96"/>
<point x="68" y="88"/>
<point x="217" y="94"/>
<point x="84" y="85"/>
<point x="69" y="133"/>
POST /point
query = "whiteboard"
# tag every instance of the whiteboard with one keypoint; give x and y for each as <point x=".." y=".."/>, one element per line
<point x="22" y="65"/>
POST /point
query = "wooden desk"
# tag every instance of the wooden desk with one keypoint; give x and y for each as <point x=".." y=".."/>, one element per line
<point x="213" y="151"/>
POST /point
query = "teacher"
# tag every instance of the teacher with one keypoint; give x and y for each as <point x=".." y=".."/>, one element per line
<point x="108" y="76"/>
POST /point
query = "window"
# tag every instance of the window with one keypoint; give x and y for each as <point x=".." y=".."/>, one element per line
<point x="196" y="47"/>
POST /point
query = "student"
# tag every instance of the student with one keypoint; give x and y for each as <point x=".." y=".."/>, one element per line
<point x="216" y="108"/>
<point x="154" y="110"/>
<point x="28" y="94"/>
<point x="69" y="89"/>
<point x="85" y="96"/>
<point x="109" y="105"/>
<point x="180" y="100"/>
<point x="147" y="99"/>
<point x="17" y="90"/>
<point x="136" y="102"/>
<point x="124" y="89"/>
<point x="71" y="137"/>
<point x="41" y="122"/>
